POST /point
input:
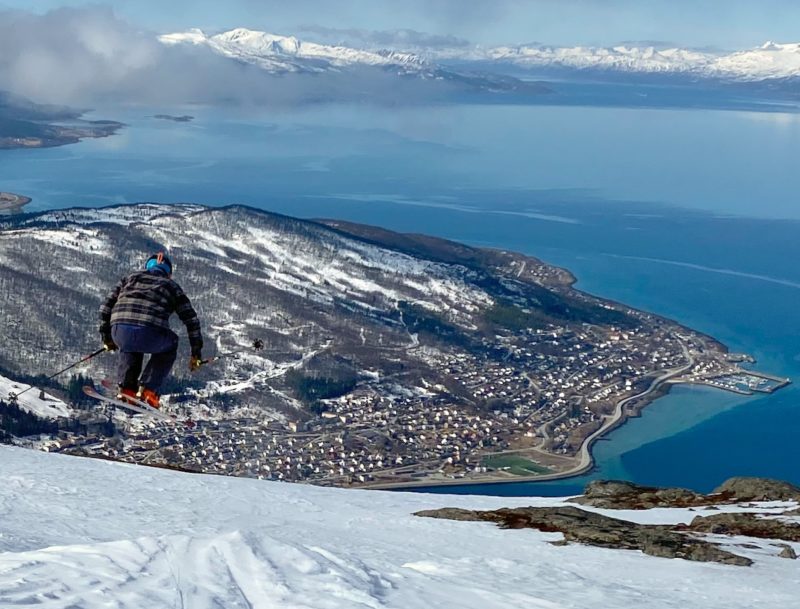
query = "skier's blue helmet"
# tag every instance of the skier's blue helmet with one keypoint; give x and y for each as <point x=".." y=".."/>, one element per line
<point x="159" y="261"/>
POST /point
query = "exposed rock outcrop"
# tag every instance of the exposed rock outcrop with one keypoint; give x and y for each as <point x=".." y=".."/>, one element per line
<point x="615" y="494"/>
<point x="749" y="525"/>
<point x="787" y="551"/>
<point x="758" y="489"/>
<point x="589" y="528"/>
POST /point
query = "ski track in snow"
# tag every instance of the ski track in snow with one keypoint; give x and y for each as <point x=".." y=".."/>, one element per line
<point x="84" y="533"/>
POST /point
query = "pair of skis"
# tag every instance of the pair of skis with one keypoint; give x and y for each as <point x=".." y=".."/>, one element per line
<point x="133" y="405"/>
<point x="144" y="408"/>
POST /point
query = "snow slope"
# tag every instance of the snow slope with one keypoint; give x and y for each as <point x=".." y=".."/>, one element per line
<point x="90" y="534"/>
<point x="270" y="269"/>
<point x="50" y="407"/>
<point x="124" y="215"/>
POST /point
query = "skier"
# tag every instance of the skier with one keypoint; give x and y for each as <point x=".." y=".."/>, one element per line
<point x="134" y="319"/>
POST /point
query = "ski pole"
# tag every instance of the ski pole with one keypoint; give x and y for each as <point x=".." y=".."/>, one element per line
<point x="13" y="396"/>
<point x="257" y="344"/>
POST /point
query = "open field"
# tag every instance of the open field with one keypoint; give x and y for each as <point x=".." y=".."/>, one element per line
<point x="519" y="466"/>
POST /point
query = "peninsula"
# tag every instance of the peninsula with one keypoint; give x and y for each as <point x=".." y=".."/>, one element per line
<point x="392" y="360"/>
<point x="11" y="203"/>
<point x="24" y="124"/>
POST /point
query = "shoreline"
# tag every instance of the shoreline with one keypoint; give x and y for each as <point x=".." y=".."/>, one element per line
<point x="587" y="460"/>
<point x="660" y="388"/>
<point x="11" y="203"/>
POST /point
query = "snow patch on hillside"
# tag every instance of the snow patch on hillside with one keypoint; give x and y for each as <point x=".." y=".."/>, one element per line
<point x="49" y="407"/>
<point x="123" y="214"/>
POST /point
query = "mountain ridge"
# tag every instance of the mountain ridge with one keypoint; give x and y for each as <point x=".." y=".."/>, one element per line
<point x="278" y="53"/>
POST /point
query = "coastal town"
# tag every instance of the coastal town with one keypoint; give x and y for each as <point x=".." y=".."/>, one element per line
<point x="532" y="415"/>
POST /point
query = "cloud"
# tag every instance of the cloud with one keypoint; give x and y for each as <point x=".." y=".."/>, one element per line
<point x="65" y="51"/>
<point x="89" y="56"/>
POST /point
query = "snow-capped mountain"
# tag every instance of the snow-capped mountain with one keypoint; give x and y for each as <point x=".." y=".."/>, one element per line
<point x="288" y="54"/>
<point x="279" y="54"/>
<point x="770" y="61"/>
<point x="84" y="533"/>
<point x="282" y="55"/>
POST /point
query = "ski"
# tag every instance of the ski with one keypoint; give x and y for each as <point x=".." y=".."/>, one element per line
<point x="112" y="388"/>
<point x="138" y="407"/>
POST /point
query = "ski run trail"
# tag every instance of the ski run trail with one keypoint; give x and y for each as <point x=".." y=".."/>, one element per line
<point x="87" y="534"/>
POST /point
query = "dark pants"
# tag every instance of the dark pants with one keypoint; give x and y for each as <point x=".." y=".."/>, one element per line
<point x="134" y="342"/>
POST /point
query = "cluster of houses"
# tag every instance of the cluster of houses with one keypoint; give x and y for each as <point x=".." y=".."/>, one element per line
<point x="548" y="386"/>
<point x="383" y="437"/>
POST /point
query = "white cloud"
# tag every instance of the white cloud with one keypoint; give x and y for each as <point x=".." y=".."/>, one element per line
<point x="60" y="55"/>
<point x="86" y="56"/>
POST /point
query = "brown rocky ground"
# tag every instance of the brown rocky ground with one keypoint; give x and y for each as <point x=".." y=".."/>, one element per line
<point x="668" y="541"/>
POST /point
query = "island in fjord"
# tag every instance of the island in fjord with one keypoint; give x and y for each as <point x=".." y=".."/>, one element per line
<point x="391" y="359"/>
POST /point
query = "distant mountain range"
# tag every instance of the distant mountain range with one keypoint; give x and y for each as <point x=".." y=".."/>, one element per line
<point x="283" y="54"/>
<point x="288" y="55"/>
<point x="262" y="68"/>
<point x="770" y="61"/>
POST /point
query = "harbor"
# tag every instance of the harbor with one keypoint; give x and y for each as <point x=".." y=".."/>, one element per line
<point x="746" y="382"/>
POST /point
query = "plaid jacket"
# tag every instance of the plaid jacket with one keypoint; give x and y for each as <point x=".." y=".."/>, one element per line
<point x="148" y="299"/>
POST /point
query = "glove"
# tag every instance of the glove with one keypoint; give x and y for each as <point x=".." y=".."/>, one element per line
<point x="109" y="343"/>
<point x="195" y="361"/>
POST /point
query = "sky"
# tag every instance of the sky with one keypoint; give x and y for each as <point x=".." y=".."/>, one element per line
<point x="728" y="24"/>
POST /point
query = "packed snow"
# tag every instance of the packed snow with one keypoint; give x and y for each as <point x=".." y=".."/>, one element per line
<point x="82" y="533"/>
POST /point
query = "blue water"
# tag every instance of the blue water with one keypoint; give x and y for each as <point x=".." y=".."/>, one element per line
<point x="690" y="214"/>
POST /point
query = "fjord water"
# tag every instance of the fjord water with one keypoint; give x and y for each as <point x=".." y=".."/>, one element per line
<point x="692" y="214"/>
